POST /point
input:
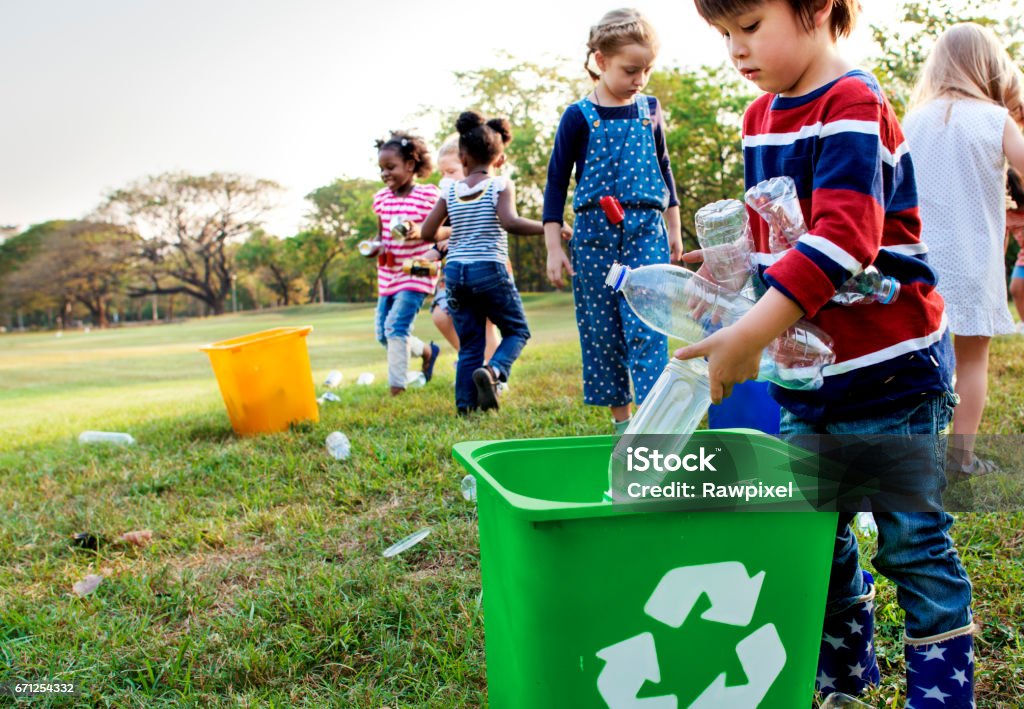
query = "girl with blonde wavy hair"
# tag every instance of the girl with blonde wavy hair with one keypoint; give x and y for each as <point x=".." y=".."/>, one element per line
<point x="964" y="125"/>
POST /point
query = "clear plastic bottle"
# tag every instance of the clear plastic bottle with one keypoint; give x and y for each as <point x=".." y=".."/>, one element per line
<point x="679" y="303"/>
<point x="338" y="445"/>
<point x="334" y="378"/>
<point x="672" y="410"/>
<point x="415" y="378"/>
<point x="724" y="239"/>
<point x="121" y="439"/>
<point x="777" y="202"/>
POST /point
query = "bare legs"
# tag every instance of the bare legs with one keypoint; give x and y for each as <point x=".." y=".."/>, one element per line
<point x="972" y="388"/>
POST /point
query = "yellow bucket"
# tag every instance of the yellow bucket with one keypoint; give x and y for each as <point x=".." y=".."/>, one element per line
<point x="265" y="379"/>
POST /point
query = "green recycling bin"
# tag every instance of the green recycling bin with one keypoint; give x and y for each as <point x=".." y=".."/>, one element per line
<point x="592" y="604"/>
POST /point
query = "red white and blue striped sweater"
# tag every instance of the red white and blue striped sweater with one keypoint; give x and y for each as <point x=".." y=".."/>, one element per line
<point x="844" y="147"/>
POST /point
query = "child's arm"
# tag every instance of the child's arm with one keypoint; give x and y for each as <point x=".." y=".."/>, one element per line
<point x="557" y="260"/>
<point x="675" y="233"/>
<point x="431" y="229"/>
<point x="509" y="217"/>
<point x="1013" y="145"/>
<point x="734" y="352"/>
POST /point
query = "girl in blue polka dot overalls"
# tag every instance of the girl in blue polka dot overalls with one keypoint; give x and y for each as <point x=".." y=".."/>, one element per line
<point x="615" y="139"/>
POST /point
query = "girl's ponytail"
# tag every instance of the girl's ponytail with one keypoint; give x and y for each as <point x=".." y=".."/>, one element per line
<point x="483" y="140"/>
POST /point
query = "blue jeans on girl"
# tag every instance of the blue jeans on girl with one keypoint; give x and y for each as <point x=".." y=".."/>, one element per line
<point x="395" y="314"/>
<point x="479" y="291"/>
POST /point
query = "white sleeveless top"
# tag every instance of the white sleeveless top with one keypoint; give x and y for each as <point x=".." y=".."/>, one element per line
<point x="960" y="170"/>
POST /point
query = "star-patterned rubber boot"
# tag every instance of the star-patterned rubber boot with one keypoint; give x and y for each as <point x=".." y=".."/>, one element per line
<point x="940" y="670"/>
<point x="846" y="660"/>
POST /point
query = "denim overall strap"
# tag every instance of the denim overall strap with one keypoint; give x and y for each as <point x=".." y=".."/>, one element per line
<point x="598" y="171"/>
<point x="639" y="177"/>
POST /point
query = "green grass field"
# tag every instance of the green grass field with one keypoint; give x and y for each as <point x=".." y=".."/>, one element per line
<point x="265" y="584"/>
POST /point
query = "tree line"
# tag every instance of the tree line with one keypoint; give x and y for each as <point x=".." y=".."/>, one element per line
<point x="179" y="244"/>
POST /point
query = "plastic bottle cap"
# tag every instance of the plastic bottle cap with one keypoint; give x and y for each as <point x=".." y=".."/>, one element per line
<point x="893" y="290"/>
<point x="616" y="276"/>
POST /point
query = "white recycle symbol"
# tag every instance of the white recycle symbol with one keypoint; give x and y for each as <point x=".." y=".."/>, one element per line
<point x="632" y="662"/>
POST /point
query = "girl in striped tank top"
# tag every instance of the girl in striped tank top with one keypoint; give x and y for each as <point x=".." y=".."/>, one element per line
<point x="482" y="210"/>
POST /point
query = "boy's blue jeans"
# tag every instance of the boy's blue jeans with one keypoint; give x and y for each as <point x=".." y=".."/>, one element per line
<point x="915" y="550"/>
<point x="479" y="291"/>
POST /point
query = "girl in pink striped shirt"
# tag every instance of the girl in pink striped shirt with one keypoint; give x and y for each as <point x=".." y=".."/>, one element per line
<point x="402" y="158"/>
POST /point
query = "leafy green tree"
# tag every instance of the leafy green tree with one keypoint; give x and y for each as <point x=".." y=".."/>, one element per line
<point x="532" y="97"/>
<point x="703" y="118"/>
<point x="904" y="45"/>
<point x="340" y="216"/>
<point x="278" y="263"/>
<point x="75" y="262"/>
<point x="188" y="223"/>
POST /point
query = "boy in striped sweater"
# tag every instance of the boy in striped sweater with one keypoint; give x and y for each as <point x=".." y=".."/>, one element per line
<point x="830" y="128"/>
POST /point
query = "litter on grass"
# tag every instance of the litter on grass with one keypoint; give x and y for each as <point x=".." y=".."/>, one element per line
<point x="407" y="543"/>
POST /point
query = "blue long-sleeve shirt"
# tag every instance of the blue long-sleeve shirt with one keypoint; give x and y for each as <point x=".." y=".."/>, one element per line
<point x="571" y="150"/>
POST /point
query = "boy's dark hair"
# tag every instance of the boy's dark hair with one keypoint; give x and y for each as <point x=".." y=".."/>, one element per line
<point x="409" y="147"/>
<point x="844" y="12"/>
<point x="483" y="139"/>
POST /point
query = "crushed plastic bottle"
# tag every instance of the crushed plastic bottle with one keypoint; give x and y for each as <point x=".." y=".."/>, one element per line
<point x="338" y="445"/>
<point x="365" y="379"/>
<point x="838" y="700"/>
<point x="777" y="202"/>
<point x="415" y="378"/>
<point x="334" y="378"/>
<point x="406" y="543"/>
<point x="121" y="439"/>
<point x="468" y="486"/>
<point x="724" y="237"/>
<point x="679" y="303"/>
<point x="327" y="396"/>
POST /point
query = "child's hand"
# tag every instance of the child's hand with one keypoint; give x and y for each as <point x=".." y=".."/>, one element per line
<point x="557" y="263"/>
<point x="731" y="360"/>
<point x="413" y="232"/>
<point x="675" y="248"/>
<point x="566" y="232"/>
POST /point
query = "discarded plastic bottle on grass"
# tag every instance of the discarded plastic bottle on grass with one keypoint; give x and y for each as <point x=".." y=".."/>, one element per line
<point x="406" y="543"/>
<point x="334" y="378"/>
<point x="677" y="302"/>
<point x="724" y="238"/>
<point x="468" y="486"/>
<point x="327" y="396"/>
<point x="365" y="379"/>
<point x="415" y="378"/>
<point x="121" y="439"/>
<point x="338" y="445"/>
<point x="777" y="202"/>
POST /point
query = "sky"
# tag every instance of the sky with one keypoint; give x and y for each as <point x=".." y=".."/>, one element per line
<point x="97" y="94"/>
